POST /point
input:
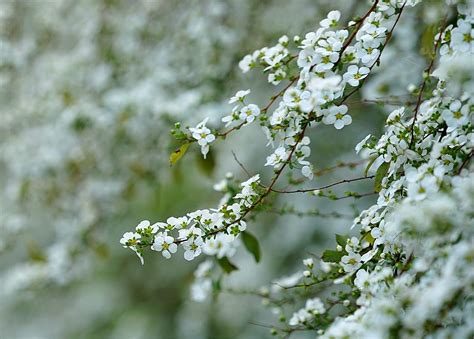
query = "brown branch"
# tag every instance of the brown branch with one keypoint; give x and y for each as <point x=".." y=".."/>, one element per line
<point x="465" y="162"/>
<point x="389" y="37"/>
<point x="427" y="73"/>
<point x="240" y="164"/>
<point x="324" y="187"/>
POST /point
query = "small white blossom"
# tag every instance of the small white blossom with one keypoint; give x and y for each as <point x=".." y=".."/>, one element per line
<point x="249" y="113"/>
<point x="331" y="20"/>
<point x="165" y="244"/>
<point x="354" y="75"/>
<point x="336" y="115"/>
<point x="203" y="136"/>
<point x="239" y="96"/>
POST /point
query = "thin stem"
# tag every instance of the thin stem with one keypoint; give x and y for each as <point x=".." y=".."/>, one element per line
<point x="427" y="73"/>
<point x="344" y="181"/>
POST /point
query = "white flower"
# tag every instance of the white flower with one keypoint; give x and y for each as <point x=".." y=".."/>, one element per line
<point x="368" y="51"/>
<point x="378" y="234"/>
<point x="250" y="184"/>
<point x="315" y="306"/>
<point x="326" y="62"/>
<point x="351" y="262"/>
<point x="277" y="158"/>
<point x="421" y="189"/>
<point x="462" y="37"/>
<point x="309" y="262"/>
<point x="312" y="308"/>
<point x="192" y="248"/>
<point x="456" y="115"/>
<point x="165" y="244"/>
<point x="130" y="239"/>
<point x="234" y="116"/>
<point x="277" y="77"/>
<point x="307" y="171"/>
<point x="362" y="280"/>
<point x="239" y="96"/>
<point x="223" y="245"/>
<point x="354" y="74"/>
<point x="145" y="228"/>
<point x="292" y="97"/>
<point x="246" y="63"/>
<point x="306" y="58"/>
<point x="362" y="143"/>
<point x="329" y="46"/>
<point x="201" y="289"/>
<point x="331" y="20"/>
<point x="202" y="286"/>
<point x="249" y="113"/>
<point x="331" y="84"/>
<point x="336" y="115"/>
<point x="203" y="136"/>
<point x="300" y="317"/>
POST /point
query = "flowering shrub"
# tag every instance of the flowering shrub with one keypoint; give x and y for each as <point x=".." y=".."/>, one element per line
<point x="408" y="270"/>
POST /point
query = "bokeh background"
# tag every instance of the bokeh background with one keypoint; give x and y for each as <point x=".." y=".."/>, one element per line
<point x="89" y="90"/>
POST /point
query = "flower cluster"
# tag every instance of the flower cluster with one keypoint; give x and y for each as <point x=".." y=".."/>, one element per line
<point x="274" y="60"/>
<point x="388" y="273"/>
<point x="246" y="114"/>
<point x="211" y="231"/>
<point x="312" y="309"/>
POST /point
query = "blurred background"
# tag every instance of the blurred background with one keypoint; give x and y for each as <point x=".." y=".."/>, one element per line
<point x="89" y="90"/>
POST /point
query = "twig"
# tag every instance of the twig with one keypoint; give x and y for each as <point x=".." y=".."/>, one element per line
<point x="324" y="187"/>
<point x="427" y="73"/>
<point x="240" y="164"/>
<point x="465" y="162"/>
<point x="389" y="37"/>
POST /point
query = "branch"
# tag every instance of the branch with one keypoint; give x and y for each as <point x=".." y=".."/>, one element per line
<point x="427" y="73"/>
<point x="324" y="187"/>
<point x="377" y="61"/>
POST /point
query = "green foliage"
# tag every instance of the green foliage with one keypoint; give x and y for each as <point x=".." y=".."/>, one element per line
<point x="178" y="154"/>
<point x="252" y="245"/>
<point x="332" y="256"/>
<point x="379" y="175"/>
<point x="226" y="265"/>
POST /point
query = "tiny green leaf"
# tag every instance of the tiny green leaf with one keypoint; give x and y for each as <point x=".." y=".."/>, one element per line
<point x="369" y="238"/>
<point x="379" y="175"/>
<point x="369" y="165"/>
<point x="252" y="245"/>
<point x="216" y="285"/>
<point x="332" y="256"/>
<point x="178" y="154"/>
<point x="341" y="239"/>
<point x="226" y="265"/>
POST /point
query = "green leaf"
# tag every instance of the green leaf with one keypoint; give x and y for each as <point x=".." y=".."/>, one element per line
<point x="427" y="40"/>
<point x="332" y="256"/>
<point x="369" y="165"/>
<point x="178" y="154"/>
<point x="226" y="265"/>
<point x="216" y="286"/>
<point x="252" y="245"/>
<point x="369" y="238"/>
<point x="35" y="253"/>
<point x="379" y="175"/>
<point x="341" y="239"/>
